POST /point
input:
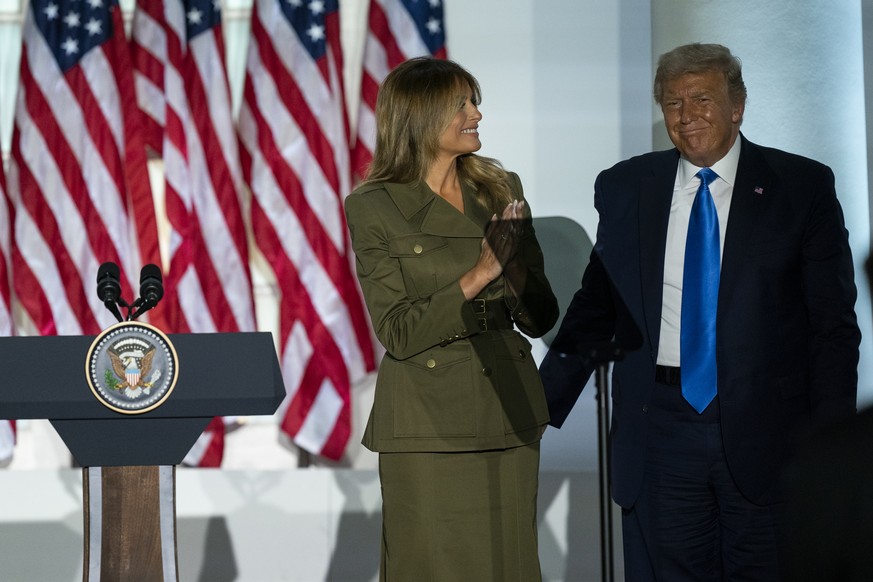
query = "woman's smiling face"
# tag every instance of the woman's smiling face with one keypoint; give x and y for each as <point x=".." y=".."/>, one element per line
<point x="462" y="134"/>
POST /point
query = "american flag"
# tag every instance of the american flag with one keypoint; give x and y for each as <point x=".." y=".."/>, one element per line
<point x="7" y="328"/>
<point x="397" y="30"/>
<point x="294" y="135"/>
<point x="77" y="179"/>
<point x="183" y="89"/>
<point x="6" y="325"/>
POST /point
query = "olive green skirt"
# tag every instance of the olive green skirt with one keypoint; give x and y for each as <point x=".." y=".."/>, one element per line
<point x="457" y="517"/>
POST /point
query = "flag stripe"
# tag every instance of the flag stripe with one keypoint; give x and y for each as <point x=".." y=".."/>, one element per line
<point x="78" y="180"/>
<point x="286" y="229"/>
<point x="397" y="30"/>
<point x="295" y="156"/>
<point x="293" y="99"/>
<point x="7" y="326"/>
<point x="76" y="186"/>
<point x="201" y="167"/>
<point x="298" y="208"/>
<point x="321" y="367"/>
<point x="54" y="263"/>
<point x="183" y="89"/>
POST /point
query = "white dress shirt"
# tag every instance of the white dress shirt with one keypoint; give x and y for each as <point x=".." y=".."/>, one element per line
<point x="684" y="190"/>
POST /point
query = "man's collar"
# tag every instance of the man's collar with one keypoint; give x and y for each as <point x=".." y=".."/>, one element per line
<point x="726" y="168"/>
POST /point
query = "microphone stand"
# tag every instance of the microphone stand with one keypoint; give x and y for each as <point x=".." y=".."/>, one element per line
<point x="600" y="357"/>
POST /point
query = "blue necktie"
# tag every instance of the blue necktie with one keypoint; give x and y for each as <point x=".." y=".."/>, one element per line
<point x="700" y="298"/>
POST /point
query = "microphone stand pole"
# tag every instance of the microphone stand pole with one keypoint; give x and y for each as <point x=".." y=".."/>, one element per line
<point x="601" y="357"/>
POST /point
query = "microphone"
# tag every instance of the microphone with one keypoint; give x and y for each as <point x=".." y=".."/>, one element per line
<point x="151" y="289"/>
<point x="151" y="285"/>
<point x="109" y="287"/>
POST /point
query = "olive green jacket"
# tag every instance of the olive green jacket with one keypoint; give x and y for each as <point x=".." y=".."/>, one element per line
<point x="443" y="384"/>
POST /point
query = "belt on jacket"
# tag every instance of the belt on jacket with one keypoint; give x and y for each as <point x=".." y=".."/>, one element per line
<point x="491" y="314"/>
<point x="669" y="375"/>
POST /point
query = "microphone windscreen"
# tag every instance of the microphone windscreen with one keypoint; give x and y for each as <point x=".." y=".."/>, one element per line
<point x="151" y="286"/>
<point x="150" y="272"/>
<point x="110" y="270"/>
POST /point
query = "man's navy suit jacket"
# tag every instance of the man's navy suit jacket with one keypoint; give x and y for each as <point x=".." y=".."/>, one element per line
<point x="787" y="335"/>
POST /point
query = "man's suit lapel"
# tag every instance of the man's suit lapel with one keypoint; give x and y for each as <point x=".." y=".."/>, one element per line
<point x="755" y="183"/>
<point x="656" y="194"/>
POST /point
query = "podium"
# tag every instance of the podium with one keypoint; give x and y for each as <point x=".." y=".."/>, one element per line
<point x="129" y="460"/>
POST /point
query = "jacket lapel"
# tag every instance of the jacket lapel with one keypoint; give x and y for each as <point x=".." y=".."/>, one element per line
<point x="440" y="217"/>
<point x="443" y="219"/>
<point x="409" y="198"/>
<point x="754" y="184"/>
<point x="656" y="195"/>
<point x="754" y="181"/>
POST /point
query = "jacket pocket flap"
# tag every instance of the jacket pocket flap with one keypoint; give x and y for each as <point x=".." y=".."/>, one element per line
<point x="415" y="245"/>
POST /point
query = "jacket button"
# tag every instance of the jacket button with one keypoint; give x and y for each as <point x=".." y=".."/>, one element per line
<point x="430" y="363"/>
<point x="486" y="371"/>
<point x="417" y="249"/>
<point x="645" y="408"/>
<point x="521" y="354"/>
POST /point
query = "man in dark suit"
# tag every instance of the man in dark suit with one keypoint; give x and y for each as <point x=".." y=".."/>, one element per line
<point x="723" y="268"/>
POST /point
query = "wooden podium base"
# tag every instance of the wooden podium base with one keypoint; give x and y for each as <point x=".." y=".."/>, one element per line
<point x="130" y="524"/>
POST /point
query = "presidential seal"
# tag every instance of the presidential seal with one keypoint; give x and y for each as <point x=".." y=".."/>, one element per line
<point x="132" y="367"/>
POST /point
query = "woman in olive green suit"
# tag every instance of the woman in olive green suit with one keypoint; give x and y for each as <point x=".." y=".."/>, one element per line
<point x="449" y="263"/>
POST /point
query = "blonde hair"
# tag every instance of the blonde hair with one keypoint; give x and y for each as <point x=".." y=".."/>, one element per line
<point x="416" y="103"/>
